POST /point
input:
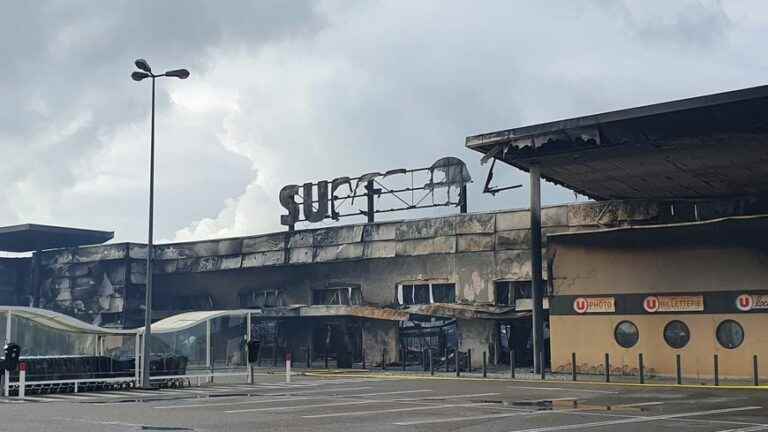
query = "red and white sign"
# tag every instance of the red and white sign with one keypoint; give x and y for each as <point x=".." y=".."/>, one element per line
<point x="594" y="305"/>
<point x="651" y="304"/>
<point x="748" y="302"/>
<point x="673" y="303"/>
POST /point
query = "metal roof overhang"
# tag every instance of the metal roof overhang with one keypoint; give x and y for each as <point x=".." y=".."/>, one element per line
<point x="736" y="231"/>
<point x="32" y="237"/>
<point x="58" y="321"/>
<point x="703" y="147"/>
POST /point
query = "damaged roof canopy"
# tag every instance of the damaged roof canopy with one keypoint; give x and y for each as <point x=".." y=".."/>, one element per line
<point x="703" y="147"/>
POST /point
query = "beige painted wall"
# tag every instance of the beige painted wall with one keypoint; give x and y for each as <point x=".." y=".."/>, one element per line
<point x="607" y="270"/>
<point x="592" y="336"/>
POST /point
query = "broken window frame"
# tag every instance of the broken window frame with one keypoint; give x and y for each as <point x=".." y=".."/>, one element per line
<point x="271" y="298"/>
<point x="336" y="295"/>
<point x="413" y="293"/>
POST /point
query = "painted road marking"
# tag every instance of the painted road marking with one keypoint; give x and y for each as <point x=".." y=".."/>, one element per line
<point x="480" y="417"/>
<point x="287" y="398"/>
<point x="419" y="408"/>
<point x="380" y="401"/>
<point x="747" y="429"/>
<point x="636" y="420"/>
<point x="564" y="389"/>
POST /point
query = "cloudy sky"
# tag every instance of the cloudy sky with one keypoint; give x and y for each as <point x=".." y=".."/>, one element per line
<point x="292" y="91"/>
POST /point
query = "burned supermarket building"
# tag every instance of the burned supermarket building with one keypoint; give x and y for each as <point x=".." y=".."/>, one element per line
<point x="668" y="258"/>
<point x="689" y="289"/>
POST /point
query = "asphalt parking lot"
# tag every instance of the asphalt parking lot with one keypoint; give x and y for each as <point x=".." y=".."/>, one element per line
<point x="364" y="403"/>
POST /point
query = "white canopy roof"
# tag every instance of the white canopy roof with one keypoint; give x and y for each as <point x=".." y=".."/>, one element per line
<point x="59" y="321"/>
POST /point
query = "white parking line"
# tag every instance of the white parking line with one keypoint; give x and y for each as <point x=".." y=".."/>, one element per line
<point x="480" y="417"/>
<point x="380" y="401"/>
<point x="284" y="408"/>
<point x="636" y="420"/>
<point x="288" y="398"/>
<point x="565" y="389"/>
<point x="419" y="408"/>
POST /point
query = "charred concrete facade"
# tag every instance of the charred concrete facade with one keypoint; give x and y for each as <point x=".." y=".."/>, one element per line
<point x="348" y="291"/>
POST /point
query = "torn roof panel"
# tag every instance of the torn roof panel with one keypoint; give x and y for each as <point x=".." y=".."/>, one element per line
<point x="703" y="147"/>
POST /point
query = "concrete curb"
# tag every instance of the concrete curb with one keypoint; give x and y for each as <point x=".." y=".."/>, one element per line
<point x="527" y="381"/>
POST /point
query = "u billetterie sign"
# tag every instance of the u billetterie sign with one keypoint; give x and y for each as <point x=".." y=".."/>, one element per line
<point x="354" y="196"/>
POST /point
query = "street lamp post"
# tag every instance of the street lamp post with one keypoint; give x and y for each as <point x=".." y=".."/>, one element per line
<point x="146" y="72"/>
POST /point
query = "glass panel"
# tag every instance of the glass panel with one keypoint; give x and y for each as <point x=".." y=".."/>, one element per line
<point x="626" y="334"/>
<point x="228" y="341"/>
<point x="676" y="334"/>
<point x="408" y="295"/>
<point x="730" y="334"/>
<point x="38" y="340"/>
<point x="444" y="293"/>
<point x="421" y="294"/>
<point x="179" y="352"/>
<point x="502" y="292"/>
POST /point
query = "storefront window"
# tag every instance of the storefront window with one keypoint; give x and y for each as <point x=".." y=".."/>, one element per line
<point x="626" y="334"/>
<point x="730" y="334"/>
<point x="676" y="334"/>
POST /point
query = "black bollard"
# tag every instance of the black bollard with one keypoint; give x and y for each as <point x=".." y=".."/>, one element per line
<point x="485" y="365"/>
<point x="404" y="359"/>
<point x="383" y="359"/>
<point x="542" y="366"/>
<point x="512" y="364"/>
<point x="642" y="368"/>
<point x="717" y="370"/>
<point x="431" y="364"/>
<point x="446" y="358"/>
<point x="469" y="360"/>
<point x="309" y="356"/>
<point x="755" y="377"/>
<point x="573" y="366"/>
<point x="362" y="358"/>
<point x="325" y="355"/>
<point x="679" y="369"/>
<point x="458" y="368"/>
<point x="607" y="368"/>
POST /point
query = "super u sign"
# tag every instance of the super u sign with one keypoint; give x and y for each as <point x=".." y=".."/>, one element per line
<point x="441" y="185"/>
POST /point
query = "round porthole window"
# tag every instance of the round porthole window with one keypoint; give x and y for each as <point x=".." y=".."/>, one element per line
<point x="676" y="334"/>
<point x="626" y="334"/>
<point x="730" y="334"/>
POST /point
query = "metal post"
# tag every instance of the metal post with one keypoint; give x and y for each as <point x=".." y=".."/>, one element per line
<point x="362" y="359"/>
<point x="403" y="358"/>
<point x="431" y="364"/>
<point x="469" y="360"/>
<point x="755" y="377"/>
<point x="208" y="359"/>
<point x="512" y="364"/>
<point x="542" y="369"/>
<point x="6" y="383"/>
<point x="607" y="368"/>
<point x="370" y="190"/>
<point x="642" y="368"/>
<point x="8" y="321"/>
<point x="248" y="335"/>
<point x="536" y="268"/>
<point x="679" y="369"/>
<point x="456" y="358"/>
<point x="288" y="368"/>
<point x="147" y="349"/>
<point x="22" y="382"/>
<point x="309" y="356"/>
<point x="384" y="359"/>
<point x="137" y="362"/>
<point x="485" y="366"/>
<point x="325" y="355"/>
<point x="463" y="200"/>
<point x="717" y="371"/>
<point x="573" y="366"/>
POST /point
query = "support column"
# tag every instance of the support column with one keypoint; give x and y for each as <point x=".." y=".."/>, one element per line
<point x="537" y="289"/>
<point x="370" y="191"/>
